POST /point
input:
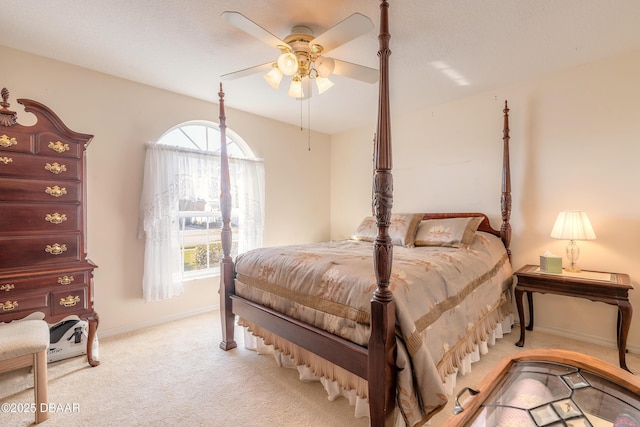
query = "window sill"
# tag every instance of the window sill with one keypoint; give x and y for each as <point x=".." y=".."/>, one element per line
<point x="199" y="276"/>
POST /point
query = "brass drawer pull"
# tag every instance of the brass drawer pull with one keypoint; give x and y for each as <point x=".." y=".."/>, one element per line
<point x="55" y="168"/>
<point x="58" y="146"/>
<point x="7" y="287"/>
<point x="6" y="160"/>
<point x="55" y="249"/>
<point x="69" y="301"/>
<point x="7" y="142"/>
<point x="65" y="280"/>
<point x="56" y="191"/>
<point x="55" y="218"/>
<point x="8" y="305"/>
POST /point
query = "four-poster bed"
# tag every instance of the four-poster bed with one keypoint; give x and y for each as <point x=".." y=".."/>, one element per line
<point x="392" y="342"/>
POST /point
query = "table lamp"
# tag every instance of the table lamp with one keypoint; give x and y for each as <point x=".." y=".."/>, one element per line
<point x="572" y="226"/>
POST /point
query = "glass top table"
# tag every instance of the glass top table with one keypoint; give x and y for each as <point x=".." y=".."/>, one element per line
<point x="558" y="388"/>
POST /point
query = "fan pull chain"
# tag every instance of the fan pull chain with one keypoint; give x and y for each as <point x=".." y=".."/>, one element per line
<point x="309" y="117"/>
<point x="301" y="119"/>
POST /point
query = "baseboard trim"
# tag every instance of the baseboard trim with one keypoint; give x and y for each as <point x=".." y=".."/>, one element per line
<point x="104" y="333"/>
<point x="592" y="339"/>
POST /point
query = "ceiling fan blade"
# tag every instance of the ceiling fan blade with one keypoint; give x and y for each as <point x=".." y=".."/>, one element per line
<point x="245" y="24"/>
<point x="247" y="71"/>
<point x="344" y="31"/>
<point x="355" y="71"/>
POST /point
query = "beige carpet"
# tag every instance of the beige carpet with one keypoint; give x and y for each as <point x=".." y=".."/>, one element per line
<point x="175" y="375"/>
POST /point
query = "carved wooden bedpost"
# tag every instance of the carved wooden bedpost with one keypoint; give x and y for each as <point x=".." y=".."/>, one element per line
<point x="382" y="344"/>
<point x="226" y="265"/>
<point x="505" y="200"/>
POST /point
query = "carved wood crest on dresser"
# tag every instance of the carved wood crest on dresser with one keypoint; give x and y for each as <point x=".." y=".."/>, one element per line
<point x="43" y="258"/>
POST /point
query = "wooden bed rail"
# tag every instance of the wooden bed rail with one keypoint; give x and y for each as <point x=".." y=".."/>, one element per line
<point x="344" y="353"/>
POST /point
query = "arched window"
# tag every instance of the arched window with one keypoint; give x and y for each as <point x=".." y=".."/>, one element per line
<point x="205" y="136"/>
<point x="181" y="203"/>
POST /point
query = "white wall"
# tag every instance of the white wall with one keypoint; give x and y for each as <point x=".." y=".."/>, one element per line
<point x="575" y="144"/>
<point x="123" y="115"/>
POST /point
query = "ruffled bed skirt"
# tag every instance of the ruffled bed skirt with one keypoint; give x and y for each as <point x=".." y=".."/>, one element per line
<point x="353" y="392"/>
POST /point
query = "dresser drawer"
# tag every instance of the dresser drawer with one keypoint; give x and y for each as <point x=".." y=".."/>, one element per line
<point x="69" y="300"/>
<point x="41" y="167"/>
<point x="14" y="142"/>
<point x="27" y="190"/>
<point x="49" y="144"/>
<point x="10" y="287"/>
<point x="33" y="251"/>
<point x="23" y="303"/>
<point x="22" y="217"/>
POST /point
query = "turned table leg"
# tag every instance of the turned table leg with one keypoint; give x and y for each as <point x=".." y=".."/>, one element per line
<point x="625" y="312"/>
<point x="519" y="293"/>
<point x="530" y="301"/>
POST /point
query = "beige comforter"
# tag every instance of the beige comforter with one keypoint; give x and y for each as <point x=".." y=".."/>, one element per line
<point x="447" y="300"/>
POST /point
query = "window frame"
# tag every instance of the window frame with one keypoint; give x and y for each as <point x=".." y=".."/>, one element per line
<point x="237" y="148"/>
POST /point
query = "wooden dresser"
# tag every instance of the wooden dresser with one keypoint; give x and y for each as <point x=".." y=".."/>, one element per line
<point x="43" y="260"/>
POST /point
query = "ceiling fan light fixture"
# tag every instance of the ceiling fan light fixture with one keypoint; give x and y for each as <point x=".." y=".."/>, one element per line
<point x="300" y="56"/>
<point x="295" y="90"/>
<point x="324" y="66"/>
<point x="323" y="84"/>
<point x="274" y="77"/>
<point x="288" y="63"/>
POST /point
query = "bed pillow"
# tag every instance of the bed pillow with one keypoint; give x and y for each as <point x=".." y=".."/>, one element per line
<point x="447" y="231"/>
<point x="402" y="229"/>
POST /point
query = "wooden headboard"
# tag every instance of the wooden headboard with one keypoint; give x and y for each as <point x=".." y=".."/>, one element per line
<point x="485" y="225"/>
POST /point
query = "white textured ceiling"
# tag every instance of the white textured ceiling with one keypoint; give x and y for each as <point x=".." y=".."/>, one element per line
<point x="184" y="46"/>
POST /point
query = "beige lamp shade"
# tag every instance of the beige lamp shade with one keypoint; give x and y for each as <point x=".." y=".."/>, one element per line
<point x="573" y="225"/>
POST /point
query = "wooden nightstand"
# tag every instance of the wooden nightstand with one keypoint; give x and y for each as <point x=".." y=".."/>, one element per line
<point x="610" y="288"/>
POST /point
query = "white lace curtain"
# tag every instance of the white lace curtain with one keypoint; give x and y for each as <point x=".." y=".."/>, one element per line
<point x="173" y="174"/>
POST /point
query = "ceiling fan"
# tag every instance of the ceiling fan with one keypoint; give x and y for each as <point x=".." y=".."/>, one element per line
<point x="302" y="54"/>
